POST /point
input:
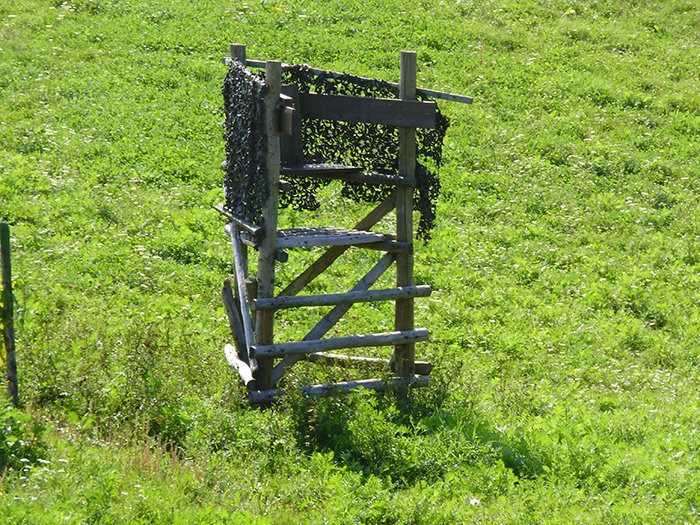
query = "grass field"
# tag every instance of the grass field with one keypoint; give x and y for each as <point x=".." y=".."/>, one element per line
<point x="565" y="317"/>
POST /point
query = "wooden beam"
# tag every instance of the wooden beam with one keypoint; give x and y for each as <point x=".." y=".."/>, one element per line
<point x="266" y="256"/>
<point x="388" y="246"/>
<point x="244" y="371"/>
<point x="238" y="51"/>
<point x="7" y="316"/>
<point x="335" y="343"/>
<point x="233" y="312"/>
<point x="387" y="111"/>
<point x="269" y="396"/>
<point x="250" y="228"/>
<point x="240" y="273"/>
<point x="404" y="355"/>
<point x="432" y="93"/>
<point x="279" y="303"/>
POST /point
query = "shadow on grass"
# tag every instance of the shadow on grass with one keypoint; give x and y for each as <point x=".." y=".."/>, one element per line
<point x="407" y="439"/>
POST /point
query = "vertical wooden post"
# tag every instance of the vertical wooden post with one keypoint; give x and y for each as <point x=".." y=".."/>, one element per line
<point x="238" y="51"/>
<point x="266" y="258"/>
<point x="7" y="313"/>
<point x="404" y="355"/>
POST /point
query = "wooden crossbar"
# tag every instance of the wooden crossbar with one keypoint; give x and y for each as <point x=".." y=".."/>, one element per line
<point x="279" y="303"/>
<point x="432" y="93"/>
<point x="336" y="343"/>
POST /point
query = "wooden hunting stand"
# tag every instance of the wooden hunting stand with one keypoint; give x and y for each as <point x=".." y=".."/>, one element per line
<point x="259" y="360"/>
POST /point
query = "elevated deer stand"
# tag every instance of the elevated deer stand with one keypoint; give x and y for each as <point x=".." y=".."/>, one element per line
<point x="259" y="360"/>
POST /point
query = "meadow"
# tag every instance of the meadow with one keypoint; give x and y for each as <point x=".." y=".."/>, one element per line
<point x="565" y="316"/>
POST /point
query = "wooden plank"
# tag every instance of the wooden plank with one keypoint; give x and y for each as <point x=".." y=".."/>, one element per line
<point x="345" y="173"/>
<point x="432" y="93"/>
<point x="388" y="246"/>
<point x="8" y="314"/>
<point x="279" y="303"/>
<point x="332" y="317"/>
<point x="240" y="273"/>
<point x="308" y="237"/>
<point x="325" y="260"/>
<point x="347" y="361"/>
<point x="233" y="312"/>
<point x="335" y="343"/>
<point x="244" y="371"/>
<point x="404" y="355"/>
<point x="259" y="397"/>
<point x="387" y="111"/>
<point x="291" y="147"/>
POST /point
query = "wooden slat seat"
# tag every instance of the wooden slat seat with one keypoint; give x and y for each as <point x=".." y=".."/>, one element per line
<point x="326" y="236"/>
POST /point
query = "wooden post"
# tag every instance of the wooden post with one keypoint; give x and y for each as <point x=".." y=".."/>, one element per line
<point x="238" y="51"/>
<point x="266" y="259"/>
<point x="404" y="355"/>
<point x="7" y="313"/>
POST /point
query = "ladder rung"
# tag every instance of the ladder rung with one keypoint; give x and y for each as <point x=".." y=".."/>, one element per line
<point x="402" y="292"/>
<point x="336" y="343"/>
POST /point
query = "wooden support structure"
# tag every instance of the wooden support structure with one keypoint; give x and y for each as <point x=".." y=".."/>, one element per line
<point x="252" y="311"/>
<point x="7" y="316"/>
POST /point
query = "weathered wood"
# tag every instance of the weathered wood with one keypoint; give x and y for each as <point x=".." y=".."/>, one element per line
<point x="233" y="312"/>
<point x="335" y="343"/>
<point x="279" y="303"/>
<point x="258" y="397"/>
<point x="388" y="246"/>
<point x="266" y="256"/>
<point x="239" y="52"/>
<point x="7" y="316"/>
<point x="251" y="228"/>
<point x="291" y="146"/>
<point x="287" y="116"/>
<point x="432" y="93"/>
<point x="332" y="317"/>
<point x="404" y="355"/>
<point x="345" y="173"/>
<point x="240" y="273"/>
<point x="244" y="371"/>
<point x="386" y="111"/>
<point x="325" y="260"/>
<point x="348" y="361"/>
<point x="326" y="236"/>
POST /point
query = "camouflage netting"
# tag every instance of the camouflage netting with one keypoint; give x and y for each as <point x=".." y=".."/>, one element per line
<point x="245" y="184"/>
<point x="373" y="147"/>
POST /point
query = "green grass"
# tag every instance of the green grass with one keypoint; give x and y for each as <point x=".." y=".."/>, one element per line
<point x="565" y="267"/>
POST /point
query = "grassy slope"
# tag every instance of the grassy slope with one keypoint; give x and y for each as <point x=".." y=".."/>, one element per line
<point x="564" y="318"/>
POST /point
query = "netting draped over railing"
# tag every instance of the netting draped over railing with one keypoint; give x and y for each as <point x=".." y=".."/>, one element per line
<point x="373" y="147"/>
<point x="245" y="183"/>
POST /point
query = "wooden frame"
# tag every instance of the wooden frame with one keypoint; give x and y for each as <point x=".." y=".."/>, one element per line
<point x="251" y="312"/>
